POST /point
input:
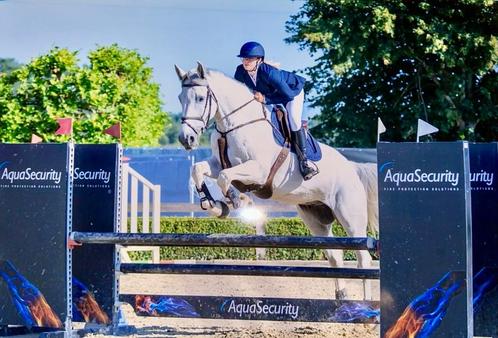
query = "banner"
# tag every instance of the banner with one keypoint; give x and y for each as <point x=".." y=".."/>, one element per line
<point x="35" y="186"/>
<point x="425" y="217"/>
<point x="483" y="175"/>
<point x="96" y="209"/>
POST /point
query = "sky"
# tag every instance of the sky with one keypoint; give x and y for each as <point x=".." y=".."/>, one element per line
<point x="168" y="32"/>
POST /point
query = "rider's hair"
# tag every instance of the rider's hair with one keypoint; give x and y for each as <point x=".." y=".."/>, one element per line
<point x="275" y="64"/>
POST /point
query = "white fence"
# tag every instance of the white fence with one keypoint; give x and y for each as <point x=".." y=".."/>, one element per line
<point x="150" y="209"/>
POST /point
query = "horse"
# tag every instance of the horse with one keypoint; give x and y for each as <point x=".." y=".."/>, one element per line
<point x="343" y="190"/>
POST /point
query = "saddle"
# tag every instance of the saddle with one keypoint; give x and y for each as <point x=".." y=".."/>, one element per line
<point x="282" y="133"/>
<point x="280" y="120"/>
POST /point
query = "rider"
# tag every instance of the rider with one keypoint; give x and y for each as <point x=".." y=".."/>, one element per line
<point x="274" y="86"/>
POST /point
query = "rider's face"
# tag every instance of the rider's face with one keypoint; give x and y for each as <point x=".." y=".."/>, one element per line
<point x="250" y="63"/>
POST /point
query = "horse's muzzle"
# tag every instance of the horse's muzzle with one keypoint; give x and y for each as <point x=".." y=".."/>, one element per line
<point x="187" y="140"/>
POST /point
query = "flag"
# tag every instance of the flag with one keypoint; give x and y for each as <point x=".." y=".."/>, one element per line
<point x="114" y="130"/>
<point x="36" y="139"/>
<point x="380" y="128"/>
<point x="424" y="128"/>
<point x="65" y="126"/>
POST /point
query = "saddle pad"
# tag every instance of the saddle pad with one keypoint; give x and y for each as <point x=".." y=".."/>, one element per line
<point x="313" y="151"/>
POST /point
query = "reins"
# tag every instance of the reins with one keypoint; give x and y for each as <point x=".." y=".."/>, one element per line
<point x="207" y="107"/>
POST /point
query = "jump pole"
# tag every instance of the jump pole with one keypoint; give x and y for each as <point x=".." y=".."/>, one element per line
<point x="226" y="240"/>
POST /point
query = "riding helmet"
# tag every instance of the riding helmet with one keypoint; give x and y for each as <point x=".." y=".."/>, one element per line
<point x="251" y="49"/>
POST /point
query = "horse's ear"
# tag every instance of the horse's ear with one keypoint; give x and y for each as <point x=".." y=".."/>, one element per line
<point x="201" y="70"/>
<point x="182" y="75"/>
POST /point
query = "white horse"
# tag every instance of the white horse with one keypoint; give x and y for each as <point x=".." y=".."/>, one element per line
<point x="343" y="190"/>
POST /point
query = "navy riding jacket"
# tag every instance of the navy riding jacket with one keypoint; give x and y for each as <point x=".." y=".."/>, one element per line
<point x="278" y="86"/>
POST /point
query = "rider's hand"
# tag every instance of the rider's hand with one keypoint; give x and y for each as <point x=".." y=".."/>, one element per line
<point x="259" y="97"/>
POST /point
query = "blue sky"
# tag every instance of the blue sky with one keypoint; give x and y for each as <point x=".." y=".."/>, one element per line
<point x="166" y="31"/>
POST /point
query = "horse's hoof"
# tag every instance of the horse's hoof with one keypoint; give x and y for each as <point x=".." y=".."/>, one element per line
<point x="205" y="205"/>
<point x="225" y="210"/>
<point x="220" y="209"/>
<point x="340" y="294"/>
<point x="234" y="196"/>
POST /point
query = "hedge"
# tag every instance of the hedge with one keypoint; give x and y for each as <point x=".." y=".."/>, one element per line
<point x="275" y="226"/>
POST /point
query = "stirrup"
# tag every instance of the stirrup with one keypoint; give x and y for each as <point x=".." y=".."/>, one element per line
<point x="307" y="171"/>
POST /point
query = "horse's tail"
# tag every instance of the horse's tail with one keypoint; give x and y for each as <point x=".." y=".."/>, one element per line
<point x="368" y="176"/>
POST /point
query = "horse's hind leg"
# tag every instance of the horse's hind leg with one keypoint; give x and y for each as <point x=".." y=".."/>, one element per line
<point x="354" y="219"/>
<point x="313" y="217"/>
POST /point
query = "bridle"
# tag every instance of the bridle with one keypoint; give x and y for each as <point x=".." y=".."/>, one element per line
<point x="207" y="110"/>
<point x="207" y="107"/>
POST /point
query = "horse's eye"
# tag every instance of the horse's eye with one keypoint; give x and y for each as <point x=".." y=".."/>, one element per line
<point x="200" y="98"/>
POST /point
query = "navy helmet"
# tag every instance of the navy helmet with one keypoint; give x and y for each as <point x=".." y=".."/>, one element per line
<point x="252" y="49"/>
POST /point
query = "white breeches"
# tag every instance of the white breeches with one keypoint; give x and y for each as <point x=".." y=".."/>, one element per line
<point x="295" y="110"/>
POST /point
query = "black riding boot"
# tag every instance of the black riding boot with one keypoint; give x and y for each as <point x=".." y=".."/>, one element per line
<point x="299" y="138"/>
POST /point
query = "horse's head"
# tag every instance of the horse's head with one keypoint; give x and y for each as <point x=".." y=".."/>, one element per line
<point x="199" y="105"/>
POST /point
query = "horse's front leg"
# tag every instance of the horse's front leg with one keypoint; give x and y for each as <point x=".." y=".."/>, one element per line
<point x="250" y="172"/>
<point x="200" y="170"/>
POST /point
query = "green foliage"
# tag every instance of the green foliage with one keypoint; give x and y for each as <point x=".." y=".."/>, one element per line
<point x="401" y="60"/>
<point x="116" y="86"/>
<point x="291" y="227"/>
<point x="205" y="226"/>
<point x="7" y="65"/>
<point x="275" y="226"/>
<point x="170" y="136"/>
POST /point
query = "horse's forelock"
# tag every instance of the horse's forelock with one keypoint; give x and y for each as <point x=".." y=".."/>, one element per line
<point x="193" y="79"/>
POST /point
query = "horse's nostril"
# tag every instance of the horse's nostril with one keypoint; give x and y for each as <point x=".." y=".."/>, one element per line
<point x="191" y="139"/>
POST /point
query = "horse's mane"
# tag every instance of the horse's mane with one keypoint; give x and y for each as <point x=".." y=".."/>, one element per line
<point x="235" y="86"/>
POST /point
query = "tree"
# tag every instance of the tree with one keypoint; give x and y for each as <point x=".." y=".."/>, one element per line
<point x="7" y="65"/>
<point x="170" y="136"/>
<point x="116" y="86"/>
<point x="401" y="60"/>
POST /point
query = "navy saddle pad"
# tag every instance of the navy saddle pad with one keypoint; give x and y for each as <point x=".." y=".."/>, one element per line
<point x="313" y="151"/>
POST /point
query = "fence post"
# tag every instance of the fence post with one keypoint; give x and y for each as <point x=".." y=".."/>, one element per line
<point x="145" y="208"/>
<point x="134" y="204"/>
<point x="156" y="220"/>
<point x="261" y="230"/>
